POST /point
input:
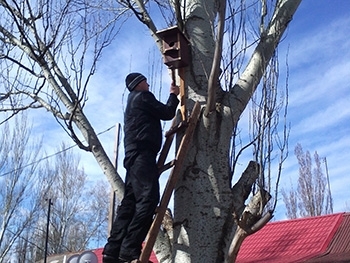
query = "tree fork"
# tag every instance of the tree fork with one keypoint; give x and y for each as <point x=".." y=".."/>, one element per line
<point x="250" y="222"/>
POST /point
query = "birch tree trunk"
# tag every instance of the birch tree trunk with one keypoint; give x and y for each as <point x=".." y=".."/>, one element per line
<point x="204" y="198"/>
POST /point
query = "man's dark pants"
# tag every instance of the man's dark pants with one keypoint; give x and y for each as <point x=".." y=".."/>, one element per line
<point x="135" y="213"/>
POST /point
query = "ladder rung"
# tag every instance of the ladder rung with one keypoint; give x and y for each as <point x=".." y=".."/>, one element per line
<point x="176" y="128"/>
<point x="166" y="166"/>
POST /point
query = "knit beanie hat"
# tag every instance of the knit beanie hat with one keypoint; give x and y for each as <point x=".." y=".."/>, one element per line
<point x="133" y="79"/>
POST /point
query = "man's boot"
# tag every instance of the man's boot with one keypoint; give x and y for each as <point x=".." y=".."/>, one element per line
<point x="109" y="259"/>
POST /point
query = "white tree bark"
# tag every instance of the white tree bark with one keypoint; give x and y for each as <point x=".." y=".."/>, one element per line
<point x="203" y="224"/>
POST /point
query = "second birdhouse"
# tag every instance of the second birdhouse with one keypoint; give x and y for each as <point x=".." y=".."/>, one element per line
<point x="175" y="47"/>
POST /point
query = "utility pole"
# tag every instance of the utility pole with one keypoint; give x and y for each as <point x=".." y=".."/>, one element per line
<point x="330" y="200"/>
<point x="115" y="163"/>
<point x="47" y="229"/>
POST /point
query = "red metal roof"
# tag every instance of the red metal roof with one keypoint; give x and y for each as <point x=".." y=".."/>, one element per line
<point x="339" y="248"/>
<point x="290" y="240"/>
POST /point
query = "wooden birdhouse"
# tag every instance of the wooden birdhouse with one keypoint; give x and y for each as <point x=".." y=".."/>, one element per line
<point x="175" y="47"/>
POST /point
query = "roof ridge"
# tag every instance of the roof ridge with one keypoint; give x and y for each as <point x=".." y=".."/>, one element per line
<point x="310" y="217"/>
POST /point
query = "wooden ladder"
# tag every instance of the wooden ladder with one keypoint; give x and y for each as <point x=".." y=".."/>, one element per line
<point x="176" y="165"/>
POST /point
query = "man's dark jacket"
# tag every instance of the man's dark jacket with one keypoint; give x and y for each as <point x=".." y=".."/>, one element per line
<point x="142" y="118"/>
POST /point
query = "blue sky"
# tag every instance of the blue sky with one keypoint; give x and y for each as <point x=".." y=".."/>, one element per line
<point x="319" y="93"/>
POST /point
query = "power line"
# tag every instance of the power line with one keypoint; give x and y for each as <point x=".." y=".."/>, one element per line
<point x="51" y="155"/>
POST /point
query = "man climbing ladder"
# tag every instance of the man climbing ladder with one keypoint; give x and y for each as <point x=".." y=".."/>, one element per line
<point x="142" y="142"/>
<point x="173" y="177"/>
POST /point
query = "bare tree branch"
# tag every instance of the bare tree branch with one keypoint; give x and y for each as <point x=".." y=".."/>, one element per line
<point x="145" y="18"/>
<point x="214" y="74"/>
